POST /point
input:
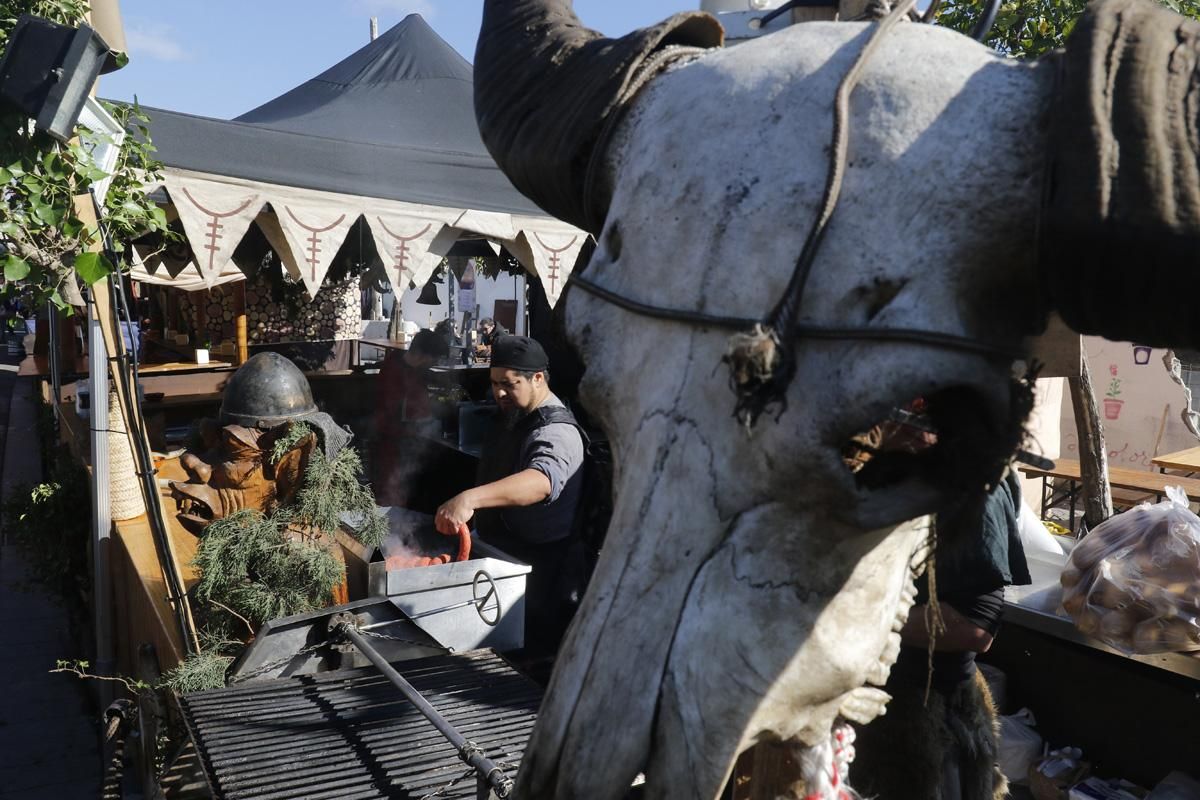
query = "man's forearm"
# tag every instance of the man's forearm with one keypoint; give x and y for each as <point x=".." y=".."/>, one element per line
<point x="960" y="635"/>
<point x="525" y="488"/>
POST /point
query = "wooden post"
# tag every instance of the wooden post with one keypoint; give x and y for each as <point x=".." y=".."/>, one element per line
<point x="131" y="412"/>
<point x="1093" y="456"/>
<point x="239" y="317"/>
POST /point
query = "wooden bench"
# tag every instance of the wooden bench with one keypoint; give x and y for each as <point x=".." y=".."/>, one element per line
<point x="1153" y="484"/>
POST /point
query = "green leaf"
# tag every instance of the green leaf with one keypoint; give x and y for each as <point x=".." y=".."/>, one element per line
<point x="46" y="214"/>
<point x="92" y="267"/>
<point x="16" y="269"/>
<point x="5" y="175"/>
<point x="59" y="303"/>
<point x="15" y="169"/>
<point x="122" y="59"/>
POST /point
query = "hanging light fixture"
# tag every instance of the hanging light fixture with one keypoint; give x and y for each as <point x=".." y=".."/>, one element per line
<point x="429" y="295"/>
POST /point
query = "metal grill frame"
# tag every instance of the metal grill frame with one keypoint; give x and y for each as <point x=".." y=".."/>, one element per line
<point x="361" y="737"/>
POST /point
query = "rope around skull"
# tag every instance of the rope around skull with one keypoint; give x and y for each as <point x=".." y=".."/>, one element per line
<point x="763" y="361"/>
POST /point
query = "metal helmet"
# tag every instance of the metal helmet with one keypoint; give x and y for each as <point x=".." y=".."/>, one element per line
<point x="266" y="391"/>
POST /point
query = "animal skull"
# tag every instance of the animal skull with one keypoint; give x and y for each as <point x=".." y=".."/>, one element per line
<point x="751" y="587"/>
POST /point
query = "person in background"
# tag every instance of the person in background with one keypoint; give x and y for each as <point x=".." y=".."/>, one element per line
<point x="402" y="415"/>
<point x="490" y="332"/>
<point x="530" y="483"/>
<point x="938" y="740"/>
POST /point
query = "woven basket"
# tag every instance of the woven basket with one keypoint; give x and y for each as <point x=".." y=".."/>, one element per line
<point x="125" y="494"/>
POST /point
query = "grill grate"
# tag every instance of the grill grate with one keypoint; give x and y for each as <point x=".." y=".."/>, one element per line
<point x="351" y="734"/>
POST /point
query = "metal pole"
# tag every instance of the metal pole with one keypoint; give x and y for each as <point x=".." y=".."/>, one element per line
<point x="467" y="751"/>
<point x="55" y="360"/>
<point x="101" y="511"/>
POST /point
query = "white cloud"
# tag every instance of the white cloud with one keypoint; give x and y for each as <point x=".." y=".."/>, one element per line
<point x="400" y="8"/>
<point x="154" y="41"/>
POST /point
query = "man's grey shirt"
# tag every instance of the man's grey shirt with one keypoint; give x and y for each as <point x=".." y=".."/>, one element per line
<point x="556" y="451"/>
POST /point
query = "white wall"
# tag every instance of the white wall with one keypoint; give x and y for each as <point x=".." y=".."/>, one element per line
<point x="1134" y="408"/>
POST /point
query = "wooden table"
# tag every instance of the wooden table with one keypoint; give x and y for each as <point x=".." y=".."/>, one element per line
<point x="39" y="367"/>
<point x="1154" y="483"/>
<point x="1182" y="460"/>
<point x="384" y="344"/>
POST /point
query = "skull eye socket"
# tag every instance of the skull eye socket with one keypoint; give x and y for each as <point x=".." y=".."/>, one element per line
<point x="948" y="440"/>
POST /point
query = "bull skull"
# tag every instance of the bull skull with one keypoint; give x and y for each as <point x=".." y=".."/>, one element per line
<point x="751" y="587"/>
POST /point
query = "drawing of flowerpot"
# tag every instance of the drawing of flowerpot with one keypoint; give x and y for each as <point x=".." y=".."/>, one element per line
<point x="1112" y="408"/>
<point x="1141" y="354"/>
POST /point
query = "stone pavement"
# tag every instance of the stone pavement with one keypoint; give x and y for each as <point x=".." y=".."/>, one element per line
<point x="48" y="730"/>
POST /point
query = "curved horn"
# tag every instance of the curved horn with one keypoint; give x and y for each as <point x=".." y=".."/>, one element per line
<point x="1121" y="228"/>
<point x="545" y="87"/>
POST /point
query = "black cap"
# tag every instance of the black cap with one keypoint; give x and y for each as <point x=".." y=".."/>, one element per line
<point x="520" y="353"/>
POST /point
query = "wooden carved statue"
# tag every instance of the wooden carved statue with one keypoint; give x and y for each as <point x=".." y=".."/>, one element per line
<point x="238" y="474"/>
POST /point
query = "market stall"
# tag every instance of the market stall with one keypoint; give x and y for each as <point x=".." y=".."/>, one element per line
<point x="375" y="166"/>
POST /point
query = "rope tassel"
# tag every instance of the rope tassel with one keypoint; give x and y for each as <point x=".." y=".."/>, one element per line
<point x="753" y="359"/>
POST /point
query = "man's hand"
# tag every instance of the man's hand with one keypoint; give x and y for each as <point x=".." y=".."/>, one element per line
<point x="454" y="513"/>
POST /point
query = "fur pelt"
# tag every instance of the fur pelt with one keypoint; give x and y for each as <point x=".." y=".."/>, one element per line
<point x="901" y="755"/>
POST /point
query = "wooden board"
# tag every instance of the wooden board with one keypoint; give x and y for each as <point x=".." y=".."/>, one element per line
<point x="141" y="612"/>
<point x="1118" y="477"/>
<point x="36" y="366"/>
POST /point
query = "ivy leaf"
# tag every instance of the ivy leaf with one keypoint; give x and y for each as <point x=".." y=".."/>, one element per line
<point x="16" y="269"/>
<point x="46" y="214"/>
<point x="60" y="304"/>
<point x="92" y="267"/>
<point x="122" y="59"/>
<point x="5" y="175"/>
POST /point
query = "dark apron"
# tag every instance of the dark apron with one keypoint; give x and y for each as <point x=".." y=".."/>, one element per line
<point x="561" y="567"/>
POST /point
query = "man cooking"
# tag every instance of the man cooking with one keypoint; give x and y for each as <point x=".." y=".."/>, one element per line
<point x="530" y="484"/>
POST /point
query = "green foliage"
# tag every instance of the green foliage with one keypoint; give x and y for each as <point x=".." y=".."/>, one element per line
<point x="331" y="487"/>
<point x="1030" y="28"/>
<point x="204" y="670"/>
<point x="40" y="178"/>
<point x="49" y="524"/>
<point x="295" y="433"/>
<point x="247" y="562"/>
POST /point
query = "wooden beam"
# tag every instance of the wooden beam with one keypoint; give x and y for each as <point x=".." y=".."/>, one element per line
<point x="239" y="317"/>
<point x="1093" y="456"/>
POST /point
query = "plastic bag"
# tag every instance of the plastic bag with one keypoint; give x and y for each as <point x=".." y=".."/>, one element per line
<point x="1020" y="746"/>
<point x="1134" y="581"/>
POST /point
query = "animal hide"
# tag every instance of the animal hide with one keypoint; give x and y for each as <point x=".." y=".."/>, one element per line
<point x="902" y="755"/>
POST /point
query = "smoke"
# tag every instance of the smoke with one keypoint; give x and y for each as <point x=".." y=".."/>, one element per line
<point x="412" y="541"/>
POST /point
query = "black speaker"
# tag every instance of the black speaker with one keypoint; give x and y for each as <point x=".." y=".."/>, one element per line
<point x="47" y="71"/>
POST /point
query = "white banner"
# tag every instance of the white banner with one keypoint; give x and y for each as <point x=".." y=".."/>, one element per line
<point x="215" y="217"/>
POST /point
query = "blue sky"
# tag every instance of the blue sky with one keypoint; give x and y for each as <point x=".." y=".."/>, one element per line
<point x="220" y="58"/>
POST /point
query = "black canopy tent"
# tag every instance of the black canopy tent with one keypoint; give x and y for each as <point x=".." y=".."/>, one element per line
<point x="387" y="135"/>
